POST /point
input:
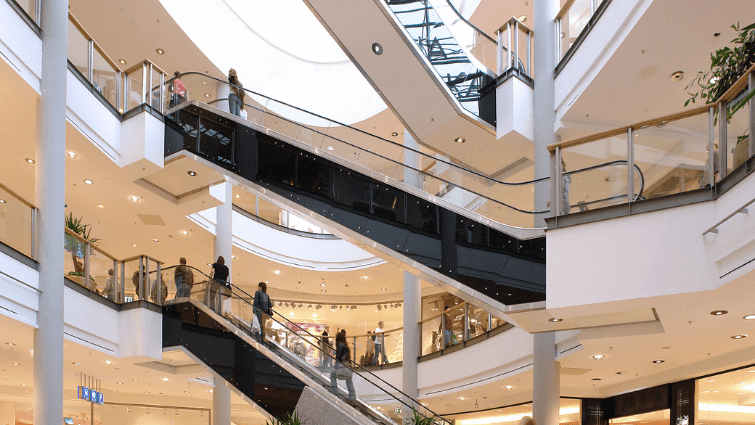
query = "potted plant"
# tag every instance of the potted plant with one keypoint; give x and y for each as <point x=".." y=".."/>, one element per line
<point x="727" y="66"/>
<point x="287" y="419"/>
<point x="77" y="247"/>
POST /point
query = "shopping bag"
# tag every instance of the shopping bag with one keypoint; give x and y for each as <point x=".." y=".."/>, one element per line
<point x="343" y="372"/>
<point x="244" y="115"/>
<point x="255" y="324"/>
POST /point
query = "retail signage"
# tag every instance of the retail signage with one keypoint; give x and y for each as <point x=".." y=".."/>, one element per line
<point x="91" y="395"/>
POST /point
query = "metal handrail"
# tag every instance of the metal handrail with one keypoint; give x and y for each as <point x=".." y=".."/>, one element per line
<point x="86" y="35"/>
<point x="741" y="210"/>
<point x="469" y="23"/>
<point x="17" y="196"/>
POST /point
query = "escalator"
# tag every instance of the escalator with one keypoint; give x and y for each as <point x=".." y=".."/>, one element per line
<point x="271" y="374"/>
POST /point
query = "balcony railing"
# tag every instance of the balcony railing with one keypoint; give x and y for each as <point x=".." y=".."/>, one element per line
<point x="574" y="20"/>
<point x="678" y="153"/>
<point x="516" y="41"/>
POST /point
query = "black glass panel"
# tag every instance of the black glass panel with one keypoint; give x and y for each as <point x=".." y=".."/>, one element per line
<point x="470" y="231"/>
<point x="276" y="163"/>
<point x="388" y="202"/>
<point x="500" y="241"/>
<point x="534" y="248"/>
<point x="314" y="176"/>
<point x="352" y="191"/>
<point x="216" y="141"/>
<point x="422" y="215"/>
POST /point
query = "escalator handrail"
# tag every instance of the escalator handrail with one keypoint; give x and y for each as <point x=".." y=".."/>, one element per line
<point x="471" y="24"/>
<point x="608" y="164"/>
<point x="352" y="365"/>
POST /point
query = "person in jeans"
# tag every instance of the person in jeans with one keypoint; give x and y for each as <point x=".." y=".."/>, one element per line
<point x="184" y="278"/>
<point x="448" y="331"/>
<point x="219" y="276"/>
<point x="263" y="308"/>
<point x="178" y="89"/>
<point x="236" y="95"/>
<point x="380" y="344"/>
<point x="343" y="359"/>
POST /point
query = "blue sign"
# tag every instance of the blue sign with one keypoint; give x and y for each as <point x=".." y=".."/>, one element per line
<point x="85" y="393"/>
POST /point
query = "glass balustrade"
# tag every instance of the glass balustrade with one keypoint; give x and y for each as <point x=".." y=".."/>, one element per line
<point x="32" y="8"/>
<point x="516" y="42"/>
<point x="572" y="20"/>
<point x="17" y="222"/>
<point x="258" y="207"/>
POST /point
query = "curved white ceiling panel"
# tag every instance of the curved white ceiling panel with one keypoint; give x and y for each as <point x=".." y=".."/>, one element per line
<point x="289" y="249"/>
<point x="281" y="50"/>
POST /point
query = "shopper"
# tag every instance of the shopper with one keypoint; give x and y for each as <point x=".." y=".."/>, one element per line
<point x="218" y="284"/>
<point x="342" y="369"/>
<point x="158" y="296"/>
<point x="136" y="281"/>
<point x="184" y="278"/>
<point x="263" y="308"/>
<point x="380" y="344"/>
<point x="179" y="90"/>
<point x="369" y="354"/>
<point x="109" y="291"/>
<point x="448" y="330"/>
<point x="325" y="349"/>
<point x="236" y="95"/>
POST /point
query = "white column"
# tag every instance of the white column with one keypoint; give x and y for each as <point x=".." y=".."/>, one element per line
<point x="50" y="188"/>
<point x="545" y="12"/>
<point x="221" y="404"/>
<point x="223" y="228"/>
<point x="546" y="379"/>
<point x="7" y="413"/>
<point x="412" y="294"/>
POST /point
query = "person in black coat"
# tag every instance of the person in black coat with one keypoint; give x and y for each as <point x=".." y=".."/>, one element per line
<point x="343" y="359"/>
<point x="219" y="283"/>
<point x="263" y="308"/>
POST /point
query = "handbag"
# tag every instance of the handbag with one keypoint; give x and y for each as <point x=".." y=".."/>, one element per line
<point x="255" y="324"/>
<point x="244" y="114"/>
<point x="343" y="372"/>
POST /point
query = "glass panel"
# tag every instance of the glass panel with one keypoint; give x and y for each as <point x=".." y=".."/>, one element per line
<point x="579" y="15"/>
<point x="569" y="413"/>
<point x="724" y="398"/>
<point x="15" y="223"/>
<point x="269" y="212"/>
<point x="78" y="49"/>
<point x="672" y="156"/>
<point x="102" y="274"/>
<point x="156" y="88"/>
<point x="585" y="187"/>
<point x="478" y="321"/>
<point x="30" y="7"/>
<point x="133" y="288"/>
<point x="104" y="77"/>
<point x="244" y="200"/>
<point x="134" y="415"/>
<point x="430" y="332"/>
<point x="74" y="260"/>
<point x="134" y="89"/>
<point x="737" y="133"/>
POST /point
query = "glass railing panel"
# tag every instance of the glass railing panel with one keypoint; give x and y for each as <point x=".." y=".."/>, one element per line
<point x="369" y="142"/>
<point x="280" y="125"/>
<point x="134" y="87"/>
<point x="74" y="260"/>
<point x="15" y="222"/>
<point x="78" y="49"/>
<point x="156" y="86"/>
<point x="737" y="132"/>
<point x="430" y="336"/>
<point x="585" y="187"/>
<point x="496" y="322"/>
<point x="245" y="200"/>
<point x="269" y="212"/>
<point x="482" y="47"/>
<point x="134" y="288"/>
<point x="392" y="346"/>
<point x="102" y="273"/>
<point x="504" y="214"/>
<point x="105" y="77"/>
<point x="30" y="7"/>
<point x="578" y="16"/>
<point x="673" y="155"/>
<point x="478" y="321"/>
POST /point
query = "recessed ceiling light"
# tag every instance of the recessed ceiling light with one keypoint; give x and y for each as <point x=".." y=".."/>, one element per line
<point x="677" y="76"/>
<point x="16" y="364"/>
<point x="598" y="357"/>
<point x="87" y="181"/>
<point x="330" y="148"/>
<point x="322" y="284"/>
<point x="377" y="49"/>
<point x="619" y="373"/>
<point x="187" y="392"/>
<point x="76" y="363"/>
<point x="23" y="385"/>
<point x="209" y="391"/>
<point x="185" y="232"/>
<point x="192" y="173"/>
<point x="146" y="392"/>
<point x="718" y="312"/>
<point x="100" y="206"/>
<point x="237" y="196"/>
<point x="155" y="240"/>
<point x="740" y="336"/>
<point x="749" y="317"/>
<point x="522" y="19"/>
<point x="462" y="398"/>
<point x="160" y="51"/>
<point x="508" y="387"/>
<point x="134" y="245"/>
<point x="10" y="343"/>
<point x="2" y="201"/>
<point x="122" y="61"/>
<point x="460" y="140"/>
<point x="165" y="379"/>
<point x="119" y="383"/>
<point x="134" y="379"/>
<point x="382" y="289"/>
<point x="659" y="361"/>
<point x="207" y="95"/>
<point x="233" y="257"/>
<point x="555" y="320"/>
<point x="365" y="278"/>
<point x="394" y="134"/>
<point x="29" y="160"/>
<point x="277" y="272"/>
<point x="133" y="198"/>
<point x="72" y="154"/>
<point x="108" y="361"/>
<point x="322" y="290"/>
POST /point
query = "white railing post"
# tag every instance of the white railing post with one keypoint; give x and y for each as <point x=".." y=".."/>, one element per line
<point x="516" y="44"/>
<point x="711" y="166"/>
<point x="630" y="165"/>
<point x="499" y="64"/>
<point x="723" y="157"/>
<point x="557" y="187"/>
<point x="508" y="53"/>
<point x="144" y="82"/>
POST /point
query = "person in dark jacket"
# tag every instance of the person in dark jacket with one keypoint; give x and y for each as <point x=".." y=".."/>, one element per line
<point x="263" y="308"/>
<point x="236" y="95"/>
<point x="326" y="349"/>
<point x="219" y="283"/>
<point x="343" y="359"/>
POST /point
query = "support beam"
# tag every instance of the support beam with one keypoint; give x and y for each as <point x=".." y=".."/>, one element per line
<point x="221" y="404"/>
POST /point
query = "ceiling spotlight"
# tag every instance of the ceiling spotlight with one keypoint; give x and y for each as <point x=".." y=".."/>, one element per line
<point x="619" y="373"/>
<point x="207" y="95"/>
<point x="394" y="134"/>
<point x="365" y="278"/>
<point x="277" y="272"/>
<point x="16" y="364"/>
<point x="75" y="363"/>
<point x="3" y="201"/>
<point x="319" y="306"/>
<point x="377" y="49"/>
<point x="677" y="76"/>
<point x="598" y="357"/>
<point x="72" y="154"/>
<point x="133" y="198"/>
<point x="191" y="173"/>
<point x="659" y="361"/>
<point x="160" y="51"/>
<point x="740" y="336"/>
<point x="233" y="257"/>
<point x="555" y="320"/>
<point x="134" y="245"/>
<point x="382" y="289"/>
<point x="122" y="61"/>
<point x="100" y="206"/>
<point x="165" y="379"/>
<point x="460" y="140"/>
<point x="380" y="307"/>
<point x="718" y="312"/>
<point x="508" y="387"/>
<point x="398" y="305"/>
<point x="287" y="305"/>
<point x="155" y="240"/>
<point x="322" y="284"/>
<point x="749" y="317"/>
<point x="522" y="19"/>
<point x="330" y="148"/>
<point x="353" y="307"/>
<point x="119" y="383"/>
<point x="108" y="361"/>
<point x="322" y="290"/>
<point x="301" y="305"/>
<point x="10" y="343"/>
<point x="385" y="306"/>
<point x="87" y="181"/>
<point x="185" y="232"/>
<point x="29" y="160"/>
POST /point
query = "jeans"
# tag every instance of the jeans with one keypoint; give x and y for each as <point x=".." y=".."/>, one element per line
<point x="234" y="104"/>
<point x="217" y="287"/>
<point x="261" y="318"/>
<point x="349" y="383"/>
<point x="447" y="337"/>
<point x="379" y="351"/>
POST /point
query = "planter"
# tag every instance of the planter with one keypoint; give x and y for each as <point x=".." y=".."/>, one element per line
<point x="741" y="152"/>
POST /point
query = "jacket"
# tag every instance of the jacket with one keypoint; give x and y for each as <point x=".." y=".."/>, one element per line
<point x="262" y="303"/>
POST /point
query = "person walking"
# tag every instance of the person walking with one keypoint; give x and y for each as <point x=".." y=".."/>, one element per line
<point x="380" y="344"/>
<point x="236" y="95"/>
<point x="184" y="279"/>
<point x="325" y="348"/>
<point x="263" y="308"/>
<point x="369" y="354"/>
<point x="109" y="291"/>
<point x="342" y="369"/>
<point x="219" y="283"/>
<point x="448" y="330"/>
<point x="178" y="89"/>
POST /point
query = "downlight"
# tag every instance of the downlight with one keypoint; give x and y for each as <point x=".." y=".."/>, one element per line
<point x="377" y="49"/>
<point x="460" y="140"/>
<point x="677" y="76"/>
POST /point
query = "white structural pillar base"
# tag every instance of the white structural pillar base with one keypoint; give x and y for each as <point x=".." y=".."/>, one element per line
<point x="221" y="395"/>
<point x="50" y="184"/>
<point x="221" y="404"/>
<point x="546" y="379"/>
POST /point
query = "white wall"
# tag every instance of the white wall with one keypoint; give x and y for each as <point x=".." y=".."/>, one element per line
<point x="20" y="46"/>
<point x="18" y="296"/>
<point x="651" y="254"/>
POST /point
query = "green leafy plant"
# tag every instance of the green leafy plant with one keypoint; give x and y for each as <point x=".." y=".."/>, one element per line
<point x="74" y="245"/>
<point x="287" y="419"/>
<point x="418" y="419"/>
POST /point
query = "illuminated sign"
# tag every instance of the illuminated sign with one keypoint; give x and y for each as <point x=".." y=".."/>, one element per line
<point x="87" y="394"/>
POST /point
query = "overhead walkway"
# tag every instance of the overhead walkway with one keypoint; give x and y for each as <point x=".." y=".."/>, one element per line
<point x="274" y="377"/>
